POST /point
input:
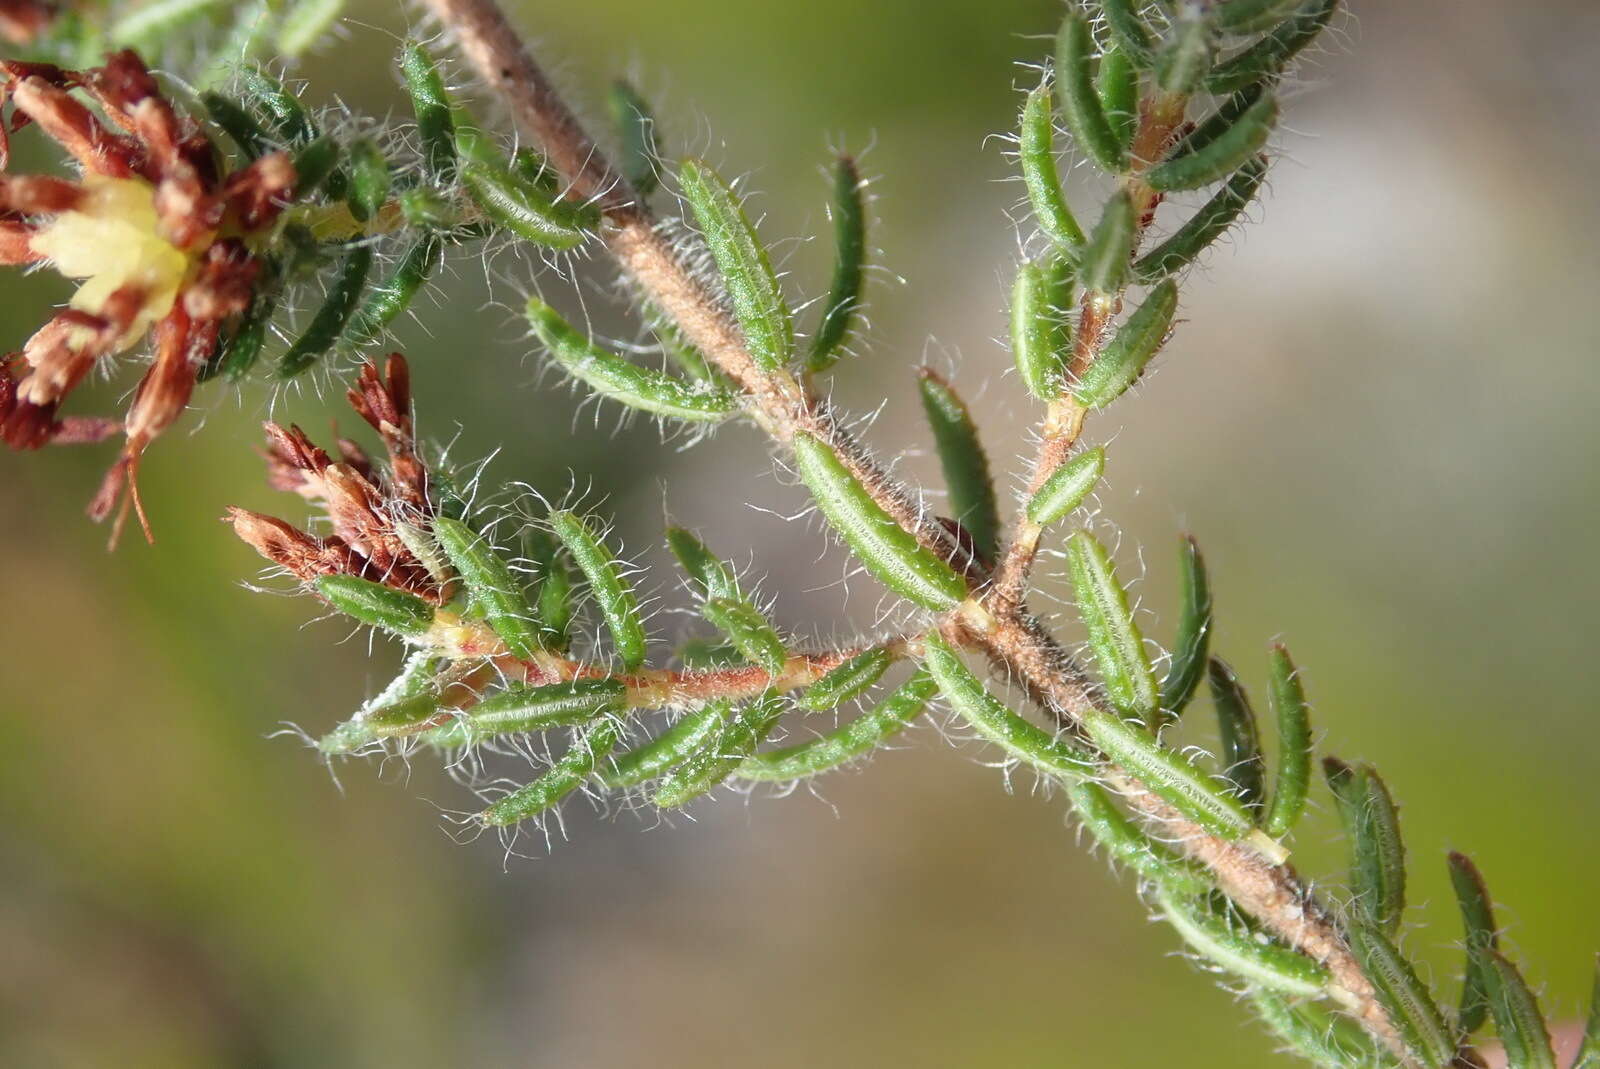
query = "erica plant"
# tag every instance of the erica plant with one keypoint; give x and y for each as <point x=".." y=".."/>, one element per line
<point x="210" y="201"/>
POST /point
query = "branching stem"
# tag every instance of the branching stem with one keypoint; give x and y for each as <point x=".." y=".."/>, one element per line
<point x="645" y="689"/>
<point x="1018" y="647"/>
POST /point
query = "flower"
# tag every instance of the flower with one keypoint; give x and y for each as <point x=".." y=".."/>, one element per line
<point x="155" y="230"/>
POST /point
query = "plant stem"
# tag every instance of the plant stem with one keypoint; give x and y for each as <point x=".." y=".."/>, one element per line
<point x="1160" y="115"/>
<point x="1266" y="889"/>
<point x="645" y="688"/>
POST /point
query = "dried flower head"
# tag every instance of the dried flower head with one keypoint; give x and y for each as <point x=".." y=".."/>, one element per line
<point x="154" y="228"/>
<point x="376" y="512"/>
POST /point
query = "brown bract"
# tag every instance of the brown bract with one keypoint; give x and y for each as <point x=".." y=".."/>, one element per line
<point x="377" y="513"/>
<point x="154" y="228"/>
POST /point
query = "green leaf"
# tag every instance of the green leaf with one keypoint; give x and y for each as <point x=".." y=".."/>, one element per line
<point x="411" y="698"/>
<point x="280" y="106"/>
<point x="554" y="601"/>
<point x="965" y="465"/>
<point x="1066" y="487"/>
<point x="1104" y="267"/>
<point x="752" y="287"/>
<point x="240" y="126"/>
<point x="372" y="603"/>
<point x="385" y="302"/>
<point x="987" y="715"/>
<point x="888" y="551"/>
<point x="845" y="743"/>
<point x="525" y="208"/>
<point x="1222" y="119"/>
<point x="1117" y="82"/>
<point x="1036" y="152"/>
<point x="1237" y="950"/>
<point x="1060" y="292"/>
<point x="400" y="717"/>
<point x="532" y="168"/>
<point x="749" y="631"/>
<point x="1293" y="714"/>
<point x="432" y="210"/>
<point x="1080" y="103"/>
<point x="431" y="104"/>
<point x="474" y="146"/>
<point x="1477" y="918"/>
<point x="848" y="680"/>
<point x="369" y="180"/>
<point x="724" y="752"/>
<point x="491" y="585"/>
<point x="1128" y="30"/>
<point x="520" y="708"/>
<point x="1172" y="777"/>
<point x="1194" y="631"/>
<point x="849" y="254"/>
<point x="1204" y="227"/>
<point x="1230" y="150"/>
<point x="1242" y="760"/>
<point x="1113" y="635"/>
<point x="728" y="609"/>
<point x="1036" y="332"/>
<point x="1123" y="360"/>
<point x="1268" y="57"/>
<point x="244" y="344"/>
<point x="1381" y="853"/>
<point x="1516" y="1013"/>
<point x="315" y="167"/>
<point x="712" y="578"/>
<point x="618" y="604"/>
<point x="668" y="750"/>
<point x="635" y="124"/>
<point x="1378" y="861"/>
<point x="1406" y="999"/>
<point x="611" y="376"/>
<point x="564" y="777"/>
<point x="1129" y="845"/>
<point x="1325" y="1040"/>
<point x="328" y="324"/>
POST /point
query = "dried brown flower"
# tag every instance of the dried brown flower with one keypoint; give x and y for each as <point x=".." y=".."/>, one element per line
<point x="375" y="513"/>
<point x="154" y="230"/>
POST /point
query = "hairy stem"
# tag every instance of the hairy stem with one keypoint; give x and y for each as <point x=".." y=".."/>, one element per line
<point x="653" y="688"/>
<point x="1015" y="643"/>
<point x="1159" y="118"/>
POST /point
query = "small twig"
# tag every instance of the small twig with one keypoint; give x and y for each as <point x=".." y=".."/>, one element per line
<point x="1269" y="892"/>
<point x="1159" y="119"/>
<point x="660" y="688"/>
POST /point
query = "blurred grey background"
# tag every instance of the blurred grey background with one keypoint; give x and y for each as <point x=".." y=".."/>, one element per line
<point x="1378" y="419"/>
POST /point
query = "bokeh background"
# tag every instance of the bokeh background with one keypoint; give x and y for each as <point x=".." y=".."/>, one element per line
<point x="1379" y="420"/>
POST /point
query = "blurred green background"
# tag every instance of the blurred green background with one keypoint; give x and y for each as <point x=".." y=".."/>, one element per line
<point x="1378" y="419"/>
